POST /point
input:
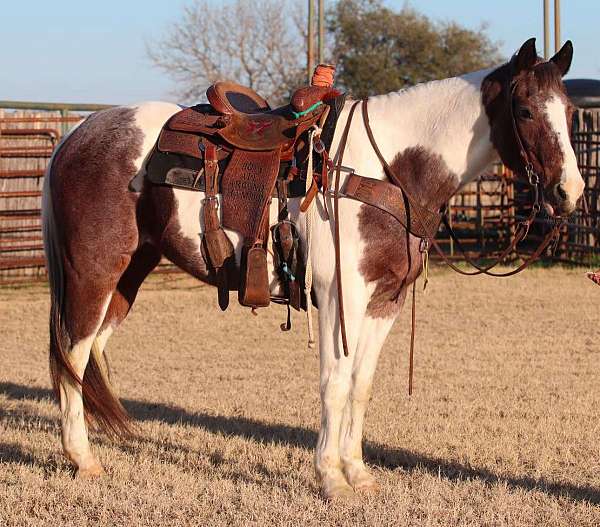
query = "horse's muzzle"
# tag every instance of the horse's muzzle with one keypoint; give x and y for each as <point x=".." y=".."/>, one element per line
<point x="558" y="201"/>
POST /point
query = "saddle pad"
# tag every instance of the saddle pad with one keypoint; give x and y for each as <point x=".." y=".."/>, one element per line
<point x="247" y="185"/>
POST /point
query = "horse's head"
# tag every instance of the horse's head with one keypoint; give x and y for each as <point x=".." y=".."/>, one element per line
<point x="530" y="117"/>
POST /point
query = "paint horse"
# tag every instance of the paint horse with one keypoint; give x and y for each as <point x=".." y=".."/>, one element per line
<point x="102" y="239"/>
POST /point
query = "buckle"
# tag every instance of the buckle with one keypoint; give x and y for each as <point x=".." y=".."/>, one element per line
<point x="318" y="145"/>
<point x="275" y="230"/>
<point x="208" y="199"/>
<point x="532" y="177"/>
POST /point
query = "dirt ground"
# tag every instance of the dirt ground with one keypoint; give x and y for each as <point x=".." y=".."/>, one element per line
<point x="502" y="428"/>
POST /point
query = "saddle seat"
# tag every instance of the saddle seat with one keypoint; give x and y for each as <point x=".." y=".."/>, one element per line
<point x="229" y="98"/>
<point x="244" y="119"/>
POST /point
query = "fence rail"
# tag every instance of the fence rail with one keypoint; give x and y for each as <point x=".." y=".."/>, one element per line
<point x="29" y="131"/>
<point x="484" y="214"/>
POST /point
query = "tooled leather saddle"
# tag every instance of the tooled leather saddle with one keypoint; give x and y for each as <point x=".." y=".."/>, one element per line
<point x="240" y="148"/>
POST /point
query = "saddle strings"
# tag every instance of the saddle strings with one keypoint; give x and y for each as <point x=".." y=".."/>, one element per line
<point x="308" y="221"/>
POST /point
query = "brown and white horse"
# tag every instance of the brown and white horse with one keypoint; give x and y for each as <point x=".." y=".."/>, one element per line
<point x="102" y="239"/>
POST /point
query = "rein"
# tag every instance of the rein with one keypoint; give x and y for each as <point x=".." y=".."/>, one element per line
<point x="336" y="217"/>
<point x="523" y="227"/>
<point x="405" y="208"/>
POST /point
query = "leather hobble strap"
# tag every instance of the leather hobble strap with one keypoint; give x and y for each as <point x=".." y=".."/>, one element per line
<point x="336" y="216"/>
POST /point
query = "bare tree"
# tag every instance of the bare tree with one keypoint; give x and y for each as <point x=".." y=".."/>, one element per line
<point x="258" y="43"/>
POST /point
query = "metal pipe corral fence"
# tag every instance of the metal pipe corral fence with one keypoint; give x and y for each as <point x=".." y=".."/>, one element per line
<point x="29" y="131"/>
<point x="484" y="214"/>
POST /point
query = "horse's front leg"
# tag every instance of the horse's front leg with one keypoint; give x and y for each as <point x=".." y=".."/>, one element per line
<point x="336" y="373"/>
<point x="373" y="333"/>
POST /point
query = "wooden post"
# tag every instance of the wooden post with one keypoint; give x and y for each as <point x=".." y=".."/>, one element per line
<point x="450" y="203"/>
<point x="310" y="60"/>
<point x="556" y="25"/>
<point x="546" y="29"/>
<point x="321" y="31"/>
<point x="64" y="113"/>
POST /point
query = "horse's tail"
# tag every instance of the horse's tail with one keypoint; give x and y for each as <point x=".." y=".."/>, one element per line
<point x="101" y="405"/>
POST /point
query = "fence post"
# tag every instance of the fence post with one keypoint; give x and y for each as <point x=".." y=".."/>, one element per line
<point x="64" y="128"/>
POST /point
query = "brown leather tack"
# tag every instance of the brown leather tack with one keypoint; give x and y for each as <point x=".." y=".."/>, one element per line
<point x="247" y="185"/>
<point x="389" y="198"/>
<point x="305" y="97"/>
<point x="336" y="219"/>
<point x="229" y="97"/>
<point x="179" y="143"/>
<point x="193" y="120"/>
<point x="255" y="145"/>
<point x="254" y="285"/>
<point x="218" y="246"/>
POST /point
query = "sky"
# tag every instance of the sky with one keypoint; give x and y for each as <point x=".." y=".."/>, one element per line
<point x="95" y="52"/>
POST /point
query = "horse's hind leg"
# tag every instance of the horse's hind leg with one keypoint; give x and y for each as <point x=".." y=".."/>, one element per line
<point x="95" y="309"/>
<point x="143" y="261"/>
<point x="86" y="308"/>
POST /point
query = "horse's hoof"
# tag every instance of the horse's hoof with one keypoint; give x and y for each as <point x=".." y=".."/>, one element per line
<point x="367" y="485"/>
<point x="361" y="479"/>
<point x="92" y="472"/>
<point x="339" y="492"/>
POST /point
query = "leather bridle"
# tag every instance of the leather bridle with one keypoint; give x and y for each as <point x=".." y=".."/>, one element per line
<point x="537" y="189"/>
<point x="420" y="219"/>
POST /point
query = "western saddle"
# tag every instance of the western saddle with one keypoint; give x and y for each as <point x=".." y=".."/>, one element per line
<point x="241" y="148"/>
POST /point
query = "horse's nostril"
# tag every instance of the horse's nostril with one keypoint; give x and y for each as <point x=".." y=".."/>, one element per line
<point x="560" y="192"/>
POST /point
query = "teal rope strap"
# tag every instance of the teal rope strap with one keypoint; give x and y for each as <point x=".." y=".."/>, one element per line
<point x="300" y="114"/>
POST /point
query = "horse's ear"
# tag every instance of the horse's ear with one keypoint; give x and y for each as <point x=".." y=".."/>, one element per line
<point x="525" y="58"/>
<point x="563" y="57"/>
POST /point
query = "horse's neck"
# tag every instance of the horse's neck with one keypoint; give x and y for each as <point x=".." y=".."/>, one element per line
<point x="446" y="118"/>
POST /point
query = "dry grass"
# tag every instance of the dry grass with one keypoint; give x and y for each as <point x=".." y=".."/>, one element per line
<point x="502" y="430"/>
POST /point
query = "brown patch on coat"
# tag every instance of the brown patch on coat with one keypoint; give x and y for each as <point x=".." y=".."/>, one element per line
<point x="113" y="237"/>
<point x="143" y="261"/>
<point x="391" y="257"/>
<point x="534" y="88"/>
<point x="95" y="212"/>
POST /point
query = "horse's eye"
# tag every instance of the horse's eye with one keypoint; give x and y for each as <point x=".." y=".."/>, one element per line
<point x="524" y="113"/>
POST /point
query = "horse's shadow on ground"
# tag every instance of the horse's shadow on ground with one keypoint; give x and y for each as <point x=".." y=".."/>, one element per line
<point x="375" y="454"/>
